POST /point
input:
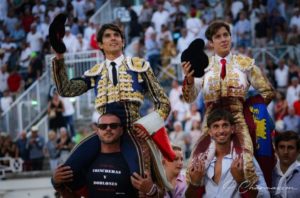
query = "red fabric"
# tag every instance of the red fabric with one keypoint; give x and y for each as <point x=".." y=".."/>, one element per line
<point x="26" y="22"/>
<point x="82" y="192"/>
<point x="297" y="107"/>
<point x="14" y="82"/>
<point x="223" y="71"/>
<point x="94" y="43"/>
<point x="161" y="139"/>
<point x="244" y="193"/>
<point x="200" y="191"/>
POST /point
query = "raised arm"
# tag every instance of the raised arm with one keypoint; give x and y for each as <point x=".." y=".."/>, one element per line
<point x="66" y="87"/>
<point x="191" y="86"/>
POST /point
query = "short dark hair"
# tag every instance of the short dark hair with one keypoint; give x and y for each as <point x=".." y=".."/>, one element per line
<point x="287" y="136"/>
<point x="214" y="27"/>
<point x="219" y="114"/>
<point x="110" y="26"/>
<point x="176" y="148"/>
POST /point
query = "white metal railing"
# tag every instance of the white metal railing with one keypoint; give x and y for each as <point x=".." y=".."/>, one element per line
<point x="276" y="53"/>
<point x="27" y="108"/>
<point x="104" y="14"/>
<point x="9" y="164"/>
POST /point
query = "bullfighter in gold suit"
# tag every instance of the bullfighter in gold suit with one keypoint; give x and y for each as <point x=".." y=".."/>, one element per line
<point x="225" y="84"/>
<point x="118" y="79"/>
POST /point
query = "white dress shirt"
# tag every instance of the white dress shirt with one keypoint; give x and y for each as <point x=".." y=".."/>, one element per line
<point x="118" y="62"/>
<point x="227" y="186"/>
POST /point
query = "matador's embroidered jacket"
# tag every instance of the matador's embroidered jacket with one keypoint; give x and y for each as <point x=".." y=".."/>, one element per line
<point x="230" y="93"/>
<point x="136" y="79"/>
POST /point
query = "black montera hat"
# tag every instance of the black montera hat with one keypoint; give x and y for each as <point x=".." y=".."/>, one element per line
<point x="196" y="56"/>
<point x="57" y="32"/>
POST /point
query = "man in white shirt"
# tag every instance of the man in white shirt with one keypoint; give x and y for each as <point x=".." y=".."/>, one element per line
<point x="160" y="17"/>
<point x="281" y="76"/>
<point x="293" y="91"/>
<point x="3" y="79"/>
<point x="224" y="176"/>
<point x="70" y="40"/>
<point x="295" y="20"/>
<point x="34" y="38"/>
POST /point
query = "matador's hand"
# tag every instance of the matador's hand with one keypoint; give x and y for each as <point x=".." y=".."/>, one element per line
<point x="189" y="74"/>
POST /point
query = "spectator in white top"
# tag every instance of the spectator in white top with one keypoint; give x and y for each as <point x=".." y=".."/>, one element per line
<point x="70" y="41"/>
<point x="243" y="30"/>
<point x="281" y="76"/>
<point x="165" y="34"/>
<point x="3" y="9"/>
<point x="160" y="17"/>
<point x="8" y="46"/>
<point x="193" y="25"/>
<point x="68" y="115"/>
<point x="184" y="41"/>
<point x="175" y="93"/>
<point x="177" y="8"/>
<point x="39" y="9"/>
<point x="183" y="109"/>
<point x="192" y="115"/>
<point x="79" y="6"/>
<point x="177" y="136"/>
<point x="89" y="31"/>
<point x="82" y="44"/>
<point x="10" y="21"/>
<point x="35" y="39"/>
<point x="43" y="26"/>
<point x="293" y="91"/>
<point x="236" y="7"/>
<point x="145" y="15"/>
<point x="24" y="58"/>
<point x="295" y="20"/>
<point x="3" y="78"/>
<point x="52" y="11"/>
<point x="5" y="101"/>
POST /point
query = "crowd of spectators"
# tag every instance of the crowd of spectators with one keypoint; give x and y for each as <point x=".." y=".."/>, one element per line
<point x="162" y="30"/>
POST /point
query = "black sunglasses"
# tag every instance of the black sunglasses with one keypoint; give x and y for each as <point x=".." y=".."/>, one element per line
<point x="111" y="125"/>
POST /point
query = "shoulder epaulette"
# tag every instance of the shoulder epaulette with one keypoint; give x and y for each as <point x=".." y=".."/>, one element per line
<point x="137" y="64"/>
<point x="95" y="70"/>
<point x="244" y="62"/>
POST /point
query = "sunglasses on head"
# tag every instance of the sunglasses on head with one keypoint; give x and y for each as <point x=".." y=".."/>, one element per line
<point x="111" y="126"/>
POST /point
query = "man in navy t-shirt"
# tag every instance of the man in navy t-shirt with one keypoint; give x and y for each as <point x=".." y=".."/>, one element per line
<point x="109" y="174"/>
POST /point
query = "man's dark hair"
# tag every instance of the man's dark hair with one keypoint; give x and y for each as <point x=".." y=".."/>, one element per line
<point x="176" y="148"/>
<point x="287" y="136"/>
<point x="219" y="114"/>
<point x="111" y="27"/>
<point x="214" y="27"/>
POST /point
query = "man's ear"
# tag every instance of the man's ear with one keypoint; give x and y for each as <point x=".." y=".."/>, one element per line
<point x="100" y="45"/>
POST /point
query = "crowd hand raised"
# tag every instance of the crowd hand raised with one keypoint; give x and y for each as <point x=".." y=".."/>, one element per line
<point x="188" y="73"/>
<point x="237" y="170"/>
<point x="196" y="170"/>
<point x="63" y="174"/>
<point x="143" y="184"/>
